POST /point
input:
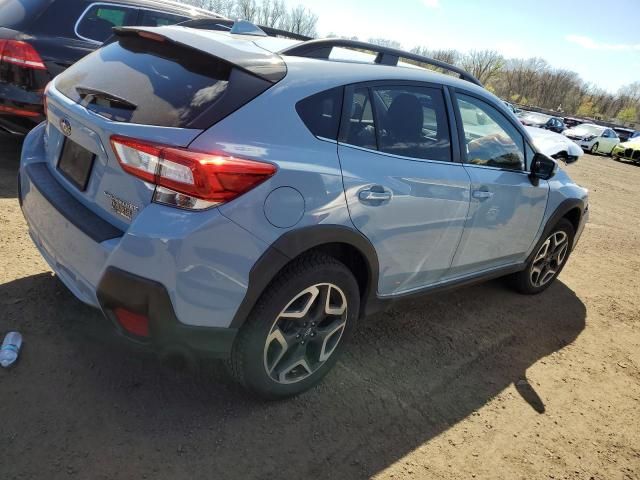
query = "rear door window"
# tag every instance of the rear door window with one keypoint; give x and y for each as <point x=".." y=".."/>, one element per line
<point x="142" y="81"/>
<point x="150" y="18"/>
<point x="412" y="122"/>
<point x="98" y="21"/>
<point x="360" y="129"/>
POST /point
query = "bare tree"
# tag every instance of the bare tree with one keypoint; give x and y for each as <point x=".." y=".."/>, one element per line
<point x="247" y="10"/>
<point x="450" y="56"/>
<point x="226" y="8"/>
<point x="271" y="13"/>
<point x="385" y="42"/>
<point x="301" y="20"/>
<point x="483" y="64"/>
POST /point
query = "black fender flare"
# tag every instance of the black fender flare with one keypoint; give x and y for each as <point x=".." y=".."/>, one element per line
<point x="294" y="243"/>
<point x="561" y="210"/>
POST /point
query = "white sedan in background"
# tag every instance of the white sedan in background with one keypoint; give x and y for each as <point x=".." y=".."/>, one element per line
<point x="593" y="138"/>
<point x="555" y="145"/>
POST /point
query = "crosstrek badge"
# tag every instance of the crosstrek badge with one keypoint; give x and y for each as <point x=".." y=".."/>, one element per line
<point x="121" y="207"/>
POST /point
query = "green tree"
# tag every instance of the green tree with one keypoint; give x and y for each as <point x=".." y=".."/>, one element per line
<point x="628" y="114"/>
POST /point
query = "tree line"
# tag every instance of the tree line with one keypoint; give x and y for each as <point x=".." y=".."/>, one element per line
<point x="525" y="81"/>
<point x="268" y="13"/>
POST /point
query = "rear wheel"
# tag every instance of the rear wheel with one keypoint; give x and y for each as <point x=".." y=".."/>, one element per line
<point x="549" y="260"/>
<point x="295" y="333"/>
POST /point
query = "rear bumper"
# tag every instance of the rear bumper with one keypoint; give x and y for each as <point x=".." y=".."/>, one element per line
<point x="20" y="111"/>
<point x="120" y="289"/>
<point x="18" y="125"/>
<point x="77" y="245"/>
<point x="188" y="273"/>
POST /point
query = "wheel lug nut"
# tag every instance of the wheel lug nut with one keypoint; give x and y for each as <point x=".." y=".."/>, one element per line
<point x="298" y="336"/>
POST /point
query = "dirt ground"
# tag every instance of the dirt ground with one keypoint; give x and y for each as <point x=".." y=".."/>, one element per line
<point x="478" y="383"/>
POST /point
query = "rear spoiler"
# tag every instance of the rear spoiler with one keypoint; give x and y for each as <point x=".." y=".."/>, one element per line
<point x="246" y="55"/>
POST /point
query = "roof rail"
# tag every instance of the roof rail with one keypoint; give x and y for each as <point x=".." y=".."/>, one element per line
<point x="385" y="55"/>
<point x="228" y="25"/>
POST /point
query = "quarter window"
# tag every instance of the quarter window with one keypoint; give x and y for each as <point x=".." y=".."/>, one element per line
<point x="321" y="113"/>
<point x="491" y="140"/>
<point x="98" y="22"/>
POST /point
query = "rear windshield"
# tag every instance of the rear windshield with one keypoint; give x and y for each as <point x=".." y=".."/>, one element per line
<point x="142" y="81"/>
<point x="17" y="14"/>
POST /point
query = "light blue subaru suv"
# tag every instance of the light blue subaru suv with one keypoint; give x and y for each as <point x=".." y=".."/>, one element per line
<point x="251" y="198"/>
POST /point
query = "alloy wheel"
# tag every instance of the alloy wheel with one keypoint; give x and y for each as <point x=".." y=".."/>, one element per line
<point x="305" y="333"/>
<point x="549" y="259"/>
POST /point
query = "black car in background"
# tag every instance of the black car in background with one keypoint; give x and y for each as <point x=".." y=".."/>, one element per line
<point x="41" y="38"/>
<point x="626" y="134"/>
<point x="540" y="120"/>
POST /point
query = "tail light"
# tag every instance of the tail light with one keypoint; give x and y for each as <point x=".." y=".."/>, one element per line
<point x="133" y="322"/>
<point x="189" y="179"/>
<point x="20" y="53"/>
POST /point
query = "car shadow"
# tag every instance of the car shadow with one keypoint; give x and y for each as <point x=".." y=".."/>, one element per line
<point x="408" y="375"/>
<point x="627" y="162"/>
<point x="10" y="148"/>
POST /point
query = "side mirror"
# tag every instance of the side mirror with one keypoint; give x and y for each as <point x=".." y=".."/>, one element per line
<point x="542" y="168"/>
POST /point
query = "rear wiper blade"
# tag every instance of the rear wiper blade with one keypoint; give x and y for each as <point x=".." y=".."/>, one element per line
<point x="89" y="95"/>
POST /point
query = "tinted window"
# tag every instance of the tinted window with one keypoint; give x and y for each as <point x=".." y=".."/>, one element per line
<point x="98" y="22"/>
<point x="491" y="140"/>
<point x="412" y="122"/>
<point x="360" y="129"/>
<point x="149" y="18"/>
<point x="142" y="81"/>
<point x="321" y="113"/>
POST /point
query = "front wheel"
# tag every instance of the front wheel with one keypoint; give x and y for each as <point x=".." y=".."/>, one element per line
<point x="594" y="148"/>
<point x="295" y="333"/>
<point x="549" y="260"/>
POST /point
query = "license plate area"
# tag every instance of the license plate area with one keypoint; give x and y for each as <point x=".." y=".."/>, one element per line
<point x="76" y="163"/>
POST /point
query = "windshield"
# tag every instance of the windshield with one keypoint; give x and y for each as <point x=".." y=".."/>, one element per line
<point x="588" y="130"/>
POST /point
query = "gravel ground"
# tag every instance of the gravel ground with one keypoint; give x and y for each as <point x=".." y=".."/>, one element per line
<point x="477" y="383"/>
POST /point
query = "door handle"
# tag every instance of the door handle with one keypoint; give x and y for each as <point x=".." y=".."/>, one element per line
<point x="482" y="194"/>
<point x="374" y="194"/>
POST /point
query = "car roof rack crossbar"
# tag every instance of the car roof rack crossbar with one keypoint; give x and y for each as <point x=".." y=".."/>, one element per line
<point x="228" y="25"/>
<point x="322" y="49"/>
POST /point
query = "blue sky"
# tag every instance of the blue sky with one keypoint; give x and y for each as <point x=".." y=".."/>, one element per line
<point x="598" y="39"/>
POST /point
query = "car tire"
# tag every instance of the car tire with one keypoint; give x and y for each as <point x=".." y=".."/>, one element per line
<point x="550" y="257"/>
<point x="279" y="353"/>
<point x="594" y="148"/>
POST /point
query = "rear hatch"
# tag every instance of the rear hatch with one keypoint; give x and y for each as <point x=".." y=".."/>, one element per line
<point x="159" y="87"/>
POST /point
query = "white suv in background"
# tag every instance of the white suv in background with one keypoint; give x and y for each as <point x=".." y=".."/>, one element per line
<point x="593" y="138"/>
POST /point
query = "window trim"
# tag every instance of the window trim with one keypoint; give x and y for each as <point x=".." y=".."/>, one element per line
<point x="349" y="90"/>
<point x="526" y="140"/>
<point x="89" y="7"/>
<point x="139" y="9"/>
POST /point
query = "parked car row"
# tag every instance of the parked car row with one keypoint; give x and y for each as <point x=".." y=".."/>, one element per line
<point x="593" y="138"/>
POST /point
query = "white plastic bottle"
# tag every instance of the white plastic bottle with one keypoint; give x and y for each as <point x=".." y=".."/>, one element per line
<point x="10" y="348"/>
